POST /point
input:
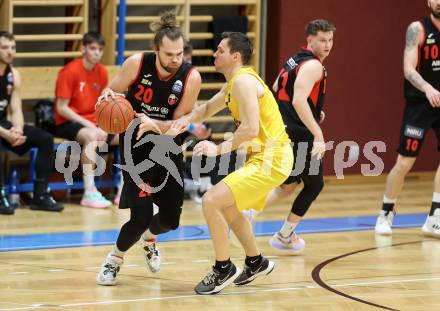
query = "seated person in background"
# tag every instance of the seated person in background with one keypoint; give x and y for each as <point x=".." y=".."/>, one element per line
<point x="196" y="188"/>
<point x="199" y="131"/>
<point x="18" y="137"/>
<point x="187" y="53"/>
<point x="79" y="84"/>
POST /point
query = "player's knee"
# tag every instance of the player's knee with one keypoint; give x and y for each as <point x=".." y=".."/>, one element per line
<point x="171" y="221"/>
<point x="314" y="186"/>
<point x="140" y="225"/>
<point x="45" y="142"/>
<point x="208" y="201"/>
<point x="46" y="138"/>
<point x="404" y="165"/>
<point x="93" y="137"/>
<point x="318" y="185"/>
<point x="286" y="189"/>
<point x="89" y="136"/>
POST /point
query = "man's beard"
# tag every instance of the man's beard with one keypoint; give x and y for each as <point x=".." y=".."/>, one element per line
<point x="436" y="14"/>
<point x="168" y="69"/>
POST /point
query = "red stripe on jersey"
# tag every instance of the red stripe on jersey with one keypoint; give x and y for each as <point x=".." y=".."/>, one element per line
<point x="186" y="80"/>
<point x="168" y="78"/>
<point x="282" y="93"/>
<point x="424" y="34"/>
<point x="315" y="93"/>
<point x="420" y="47"/>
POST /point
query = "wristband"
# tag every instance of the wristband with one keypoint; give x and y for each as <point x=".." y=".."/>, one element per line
<point x="191" y="127"/>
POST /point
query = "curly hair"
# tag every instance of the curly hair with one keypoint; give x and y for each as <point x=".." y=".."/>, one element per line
<point x="166" y="26"/>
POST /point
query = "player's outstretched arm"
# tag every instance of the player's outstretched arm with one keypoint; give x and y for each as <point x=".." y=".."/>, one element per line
<point x="210" y="108"/>
<point x="123" y="78"/>
<point x="246" y="95"/>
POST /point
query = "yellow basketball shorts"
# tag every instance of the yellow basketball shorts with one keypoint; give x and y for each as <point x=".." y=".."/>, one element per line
<point x="262" y="172"/>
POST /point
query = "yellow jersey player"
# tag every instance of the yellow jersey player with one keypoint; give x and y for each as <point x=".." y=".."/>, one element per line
<point x="261" y="131"/>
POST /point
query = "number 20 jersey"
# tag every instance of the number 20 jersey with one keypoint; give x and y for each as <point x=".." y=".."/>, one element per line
<point x="157" y="97"/>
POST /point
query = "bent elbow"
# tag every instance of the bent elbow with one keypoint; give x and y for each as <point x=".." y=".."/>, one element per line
<point x="253" y="132"/>
<point x="408" y="70"/>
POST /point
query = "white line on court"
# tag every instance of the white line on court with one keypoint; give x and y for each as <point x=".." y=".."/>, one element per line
<point x="19" y="272"/>
<point x="252" y="291"/>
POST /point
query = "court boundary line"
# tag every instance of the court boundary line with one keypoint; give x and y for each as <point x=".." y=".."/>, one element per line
<point x="318" y="268"/>
<point x="235" y="293"/>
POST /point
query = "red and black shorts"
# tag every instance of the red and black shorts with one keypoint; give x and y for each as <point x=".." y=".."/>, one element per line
<point x="157" y="177"/>
<point x="418" y="118"/>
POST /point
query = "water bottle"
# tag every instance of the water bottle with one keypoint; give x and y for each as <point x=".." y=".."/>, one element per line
<point x="14" y="196"/>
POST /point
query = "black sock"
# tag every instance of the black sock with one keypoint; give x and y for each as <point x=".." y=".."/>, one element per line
<point x="223" y="266"/>
<point x="253" y="261"/>
<point x="434" y="206"/>
<point x="387" y="207"/>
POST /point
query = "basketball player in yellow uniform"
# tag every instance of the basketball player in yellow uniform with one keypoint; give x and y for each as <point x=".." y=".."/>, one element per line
<point x="261" y="132"/>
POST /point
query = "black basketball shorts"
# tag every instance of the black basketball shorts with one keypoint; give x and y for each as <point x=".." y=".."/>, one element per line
<point x="418" y="118"/>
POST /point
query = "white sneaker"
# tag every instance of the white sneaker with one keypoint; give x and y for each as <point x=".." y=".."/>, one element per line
<point x="292" y="243"/>
<point x="109" y="270"/>
<point x="152" y="255"/>
<point x="195" y="197"/>
<point x="431" y="227"/>
<point x="384" y="223"/>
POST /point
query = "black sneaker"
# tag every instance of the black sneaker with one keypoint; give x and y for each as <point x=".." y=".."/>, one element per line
<point x="5" y="207"/>
<point x="42" y="200"/>
<point x="249" y="274"/>
<point x="45" y="202"/>
<point x="215" y="281"/>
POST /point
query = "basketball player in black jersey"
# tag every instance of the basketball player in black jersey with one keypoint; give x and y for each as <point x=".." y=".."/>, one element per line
<point x="300" y="91"/>
<point x="421" y="65"/>
<point x="162" y="90"/>
<point x="18" y="137"/>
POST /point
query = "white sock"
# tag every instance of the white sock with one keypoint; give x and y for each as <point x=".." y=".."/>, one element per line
<point x="287" y="228"/>
<point x="436" y="197"/>
<point x="147" y="235"/>
<point x="117" y="253"/>
<point x="89" y="182"/>
<point x="387" y="200"/>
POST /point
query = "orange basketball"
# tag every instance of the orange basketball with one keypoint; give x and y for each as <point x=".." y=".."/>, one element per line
<point x="114" y="115"/>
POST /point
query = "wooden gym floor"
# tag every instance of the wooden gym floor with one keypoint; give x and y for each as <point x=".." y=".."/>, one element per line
<point x="50" y="261"/>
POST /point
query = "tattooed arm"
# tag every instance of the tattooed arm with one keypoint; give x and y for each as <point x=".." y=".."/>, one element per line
<point x="414" y="37"/>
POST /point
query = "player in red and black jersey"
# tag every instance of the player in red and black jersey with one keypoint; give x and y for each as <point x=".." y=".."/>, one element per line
<point x="162" y="90"/>
<point x="421" y="67"/>
<point x="300" y="91"/>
